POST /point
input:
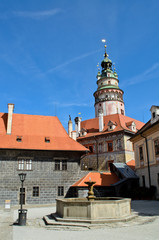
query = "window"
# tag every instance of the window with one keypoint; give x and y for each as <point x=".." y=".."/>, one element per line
<point x="141" y="153"/>
<point x="100" y="147"/>
<point x="19" y="139"/>
<point x="110" y="146"/>
<point x="36" y="191"/>
<point x="153" y="114"/>
<point x="57" y="165"/>
<point x="21" y="164"/>
<point x="122" y="111"/>
<point x="60" y="164"/>
<point x="28" y="164"/>
<point x="109" y="82"/>
<point x="25" y="164"/>
<point x="64" y="165"/>
<point x="156" y="143"/>
<point x="60" y="190"/>
<point x="91" y="149"/>
<point x="108" y="164"/>
<point x="47" y="140"/>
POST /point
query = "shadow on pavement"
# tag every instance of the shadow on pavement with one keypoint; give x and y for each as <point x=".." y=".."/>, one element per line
<point x="145" y="207"/>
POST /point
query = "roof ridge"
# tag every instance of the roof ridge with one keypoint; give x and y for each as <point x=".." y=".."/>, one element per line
<point x="82" y="179"/>
<point x="120" y="121"/>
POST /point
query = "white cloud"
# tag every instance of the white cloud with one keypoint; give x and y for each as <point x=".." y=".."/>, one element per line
<point x="60" y="104"/>
<point x="149" y="75"/>
<point x="38" y="14"/>
<point x="72" y="60"/>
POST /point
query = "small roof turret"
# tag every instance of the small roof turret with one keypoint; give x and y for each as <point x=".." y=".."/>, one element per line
<point x="106" y="63"/>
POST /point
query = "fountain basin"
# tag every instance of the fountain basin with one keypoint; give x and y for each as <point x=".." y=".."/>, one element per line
<point x="97" y="210"/>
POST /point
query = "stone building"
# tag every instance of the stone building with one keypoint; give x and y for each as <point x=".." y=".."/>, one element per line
<point x="107" y="135"/>
<point x="40" y="147"/>
<point x="146" y="147"/>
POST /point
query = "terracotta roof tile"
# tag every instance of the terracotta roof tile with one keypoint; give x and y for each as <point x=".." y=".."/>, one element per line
<point x="34" y="129"/>
<point x="92" y="125"/>
<point x="101" y="179"/>
<point x="131" y="164"/>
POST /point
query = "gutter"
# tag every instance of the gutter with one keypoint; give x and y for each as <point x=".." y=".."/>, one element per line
<point x="148" y="162"/>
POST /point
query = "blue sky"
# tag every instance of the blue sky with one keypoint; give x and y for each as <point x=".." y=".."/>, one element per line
<point x="49" y="52"/>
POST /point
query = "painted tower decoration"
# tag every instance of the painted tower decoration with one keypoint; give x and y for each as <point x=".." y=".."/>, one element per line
<point x="108" y="97"/>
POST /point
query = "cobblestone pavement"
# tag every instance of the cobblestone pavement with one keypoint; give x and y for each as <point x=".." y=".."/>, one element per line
<point x="6" y="228"/>
<point x="145" y="226"/>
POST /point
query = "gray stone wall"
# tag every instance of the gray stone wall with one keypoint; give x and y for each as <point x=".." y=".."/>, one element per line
<point x="154" y="174"/>
<point x="42" y="174"/>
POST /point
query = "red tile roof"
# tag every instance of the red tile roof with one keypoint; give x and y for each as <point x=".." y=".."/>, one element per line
<point x="131" y="164"/>
<point x="34" y="129"/>
<point x="92" y="125"/>
<point x="101" y="179"/>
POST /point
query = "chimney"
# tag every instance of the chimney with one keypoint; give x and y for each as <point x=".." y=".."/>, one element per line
<point x="10" y="116"/>
<point x="101" y="123"/>
<point x="73" y="135"/>
<point x="78" y="125"/>
<point x="69" y="126"/>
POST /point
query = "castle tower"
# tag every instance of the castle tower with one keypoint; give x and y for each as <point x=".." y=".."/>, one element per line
<point x="108" y="97"/>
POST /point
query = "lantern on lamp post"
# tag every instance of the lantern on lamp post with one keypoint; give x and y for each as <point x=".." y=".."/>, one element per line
<point x="22" y="212"/>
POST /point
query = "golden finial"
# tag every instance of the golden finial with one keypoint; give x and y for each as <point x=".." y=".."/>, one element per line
<point x="98" y="67"/>
<point x="114" y="66"/>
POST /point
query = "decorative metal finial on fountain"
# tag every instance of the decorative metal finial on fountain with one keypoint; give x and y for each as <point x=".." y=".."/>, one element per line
<point x="90" y="184"/>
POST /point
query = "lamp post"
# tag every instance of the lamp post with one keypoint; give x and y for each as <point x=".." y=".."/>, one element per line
<point x="22" y="212"/>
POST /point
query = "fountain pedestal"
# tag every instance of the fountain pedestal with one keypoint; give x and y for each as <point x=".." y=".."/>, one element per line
<point x="90" y="196"/>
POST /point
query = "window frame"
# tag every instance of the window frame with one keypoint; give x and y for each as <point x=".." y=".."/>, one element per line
<point x="60" y="191"/>
<point x="108" y="147"/>
<point x="156" y="147"/>
<point x="57" y="165"/>
<point x="25" y="164"/>
<point x="141" y="154"/>
<point x="64" y="165"/>
<point x="60" y="164"/>
<point x="36" y="191"/>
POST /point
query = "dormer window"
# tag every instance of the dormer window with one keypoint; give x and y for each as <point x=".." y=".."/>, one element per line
<point x="83" y="132"/>
<point x="47" y="139"/>
<point x="19" y="139"/>
<point x="111" y="125"/>
<point x="131" y="125"/>
<point x="154" y="114"/>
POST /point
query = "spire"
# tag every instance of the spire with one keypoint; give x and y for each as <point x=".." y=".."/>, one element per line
<point x="106" y="63"/>
<point x="105" y="55"/>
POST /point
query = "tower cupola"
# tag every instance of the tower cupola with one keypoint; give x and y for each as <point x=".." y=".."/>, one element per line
<point x="108" y="97"/>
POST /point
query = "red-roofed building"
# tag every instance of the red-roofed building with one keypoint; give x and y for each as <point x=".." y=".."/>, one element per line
<point x="107" y="135"/>
<point x="40" y="147"/>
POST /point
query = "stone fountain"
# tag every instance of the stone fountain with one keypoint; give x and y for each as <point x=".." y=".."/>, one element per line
<point x="92" y="209"/>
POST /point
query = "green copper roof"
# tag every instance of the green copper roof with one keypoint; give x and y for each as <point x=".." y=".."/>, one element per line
<point x="108" y="86"/>
<point x="106" y="60"/>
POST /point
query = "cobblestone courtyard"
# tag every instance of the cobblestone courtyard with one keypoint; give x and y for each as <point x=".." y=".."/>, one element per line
<point x="145" y="226"/>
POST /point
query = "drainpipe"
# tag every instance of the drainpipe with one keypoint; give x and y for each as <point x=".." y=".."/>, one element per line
<point x="148" y="162"/>
<point x="97" y="152"/>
